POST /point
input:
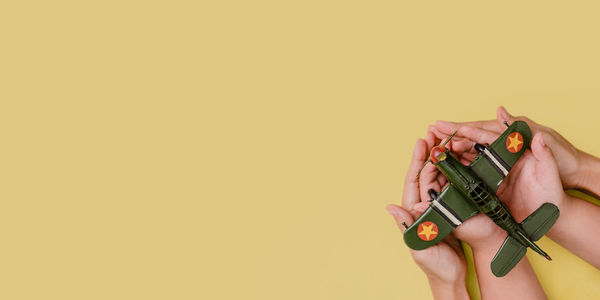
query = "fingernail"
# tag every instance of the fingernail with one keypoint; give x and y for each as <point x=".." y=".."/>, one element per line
<point x="542" y="142"/>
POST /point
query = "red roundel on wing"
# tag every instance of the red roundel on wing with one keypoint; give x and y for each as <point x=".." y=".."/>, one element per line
<point x="427" y="231"/>
<point x="514" y="142"/>
<point x="435" y="152"/>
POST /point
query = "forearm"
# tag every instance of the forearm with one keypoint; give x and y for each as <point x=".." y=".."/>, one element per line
<point x="577" y="229"/>
<point x="520" y="283"/>
<point x="589" y="174"/>
<point x="443" y="291"/>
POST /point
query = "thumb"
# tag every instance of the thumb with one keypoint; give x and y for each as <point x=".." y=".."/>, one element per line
<point x="540" y="150"/>
<point x="503" y="116"/>
<point x="400" y="215"/>
<point x="546" y="166"/>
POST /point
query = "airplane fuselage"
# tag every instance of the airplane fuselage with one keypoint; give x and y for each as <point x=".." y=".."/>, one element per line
<point x="474" y="189"/>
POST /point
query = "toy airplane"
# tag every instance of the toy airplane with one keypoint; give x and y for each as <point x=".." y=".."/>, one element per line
<point x="472" y="189"/>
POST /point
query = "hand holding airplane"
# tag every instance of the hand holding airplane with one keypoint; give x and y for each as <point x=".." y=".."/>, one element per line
<point x="472" y="189"/>
<point x="577" y="169"/>
<point x="531" y="182"/>
<point x="444" y="263"/>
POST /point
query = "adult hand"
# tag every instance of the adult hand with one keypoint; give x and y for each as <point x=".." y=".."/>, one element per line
<point x="444" y="263"/>
<point x="533" y="181"/>
<point x="568" y="157"/>
<point x="536" y="178"/>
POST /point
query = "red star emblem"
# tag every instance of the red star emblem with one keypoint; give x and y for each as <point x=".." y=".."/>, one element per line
<point x="427" y="231"/>
<point x="514" y="142"/>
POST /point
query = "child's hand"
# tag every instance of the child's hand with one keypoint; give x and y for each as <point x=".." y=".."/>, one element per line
<point x="443" y="264"/>
<point x="476" y="230"/>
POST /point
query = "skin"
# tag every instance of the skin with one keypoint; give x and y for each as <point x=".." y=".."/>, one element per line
<point x="444" y="263"/>
<point x="531" y="181"/>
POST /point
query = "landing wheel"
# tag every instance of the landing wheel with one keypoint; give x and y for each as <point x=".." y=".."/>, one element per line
<point x="433" y="194"/>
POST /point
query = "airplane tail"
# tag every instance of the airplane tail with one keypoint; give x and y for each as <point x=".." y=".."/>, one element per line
<point x="535" y="226"/>
<point x="540" y="221"/>
<point x="508" y="256"/>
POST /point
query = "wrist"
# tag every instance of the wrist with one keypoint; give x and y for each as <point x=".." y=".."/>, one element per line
<point x="588" y="174"/>
<point x="561" y="227"/>
<point x="448" y="290"/>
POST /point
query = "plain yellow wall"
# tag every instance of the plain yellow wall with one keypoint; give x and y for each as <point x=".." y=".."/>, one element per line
<point x="247" y="149"/>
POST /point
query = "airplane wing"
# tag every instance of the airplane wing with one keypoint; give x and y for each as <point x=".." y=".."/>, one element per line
<point x="444" y="214"/>
<point x="495" y="161"/>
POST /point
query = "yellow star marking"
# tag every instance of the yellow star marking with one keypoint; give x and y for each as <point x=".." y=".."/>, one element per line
<point x="514" y="142"/>
<point x="427" y="231"/>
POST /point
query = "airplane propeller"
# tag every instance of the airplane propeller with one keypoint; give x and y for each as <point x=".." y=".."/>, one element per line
<point x="429" y="159"/>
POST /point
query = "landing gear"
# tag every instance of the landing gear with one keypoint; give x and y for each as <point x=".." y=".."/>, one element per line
<point x="479" y="147"/>
<point x="433" y="194"/>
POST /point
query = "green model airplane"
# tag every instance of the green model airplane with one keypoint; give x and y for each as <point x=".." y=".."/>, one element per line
<point x="472" y="189"/>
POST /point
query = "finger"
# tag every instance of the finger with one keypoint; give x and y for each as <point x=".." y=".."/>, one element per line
<point x="428" y="177"/>
<point x="400" y="215"/>
<point x="477" y="135"/>
<point x="419" y="208"/>
<point x="543" y="154"/>
<point x="428" y="180"/>
<point x="444" y="138"/>
<point x="411" y="185"/>
<point x="465" y="161"/>
<point x="449" y="127"/>
<point x="440" y="136"/>
<point x="472" y="133"/>
<point x="468" y="156"/>
<point x="442" y="180"/>
<point x="431" y="140"/>
<point x="446" y="127"/>
<point x="503" y="115"/>
<point x="460" y="146"/>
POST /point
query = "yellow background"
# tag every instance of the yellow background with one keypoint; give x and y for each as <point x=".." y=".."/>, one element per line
<point x="247" y="149"/>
